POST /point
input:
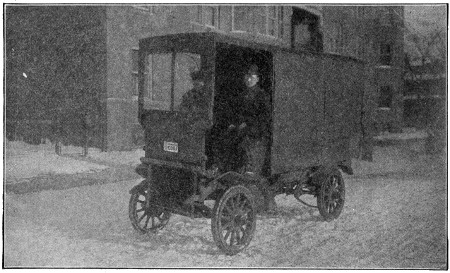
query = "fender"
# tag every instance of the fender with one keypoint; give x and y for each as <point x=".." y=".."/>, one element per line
<point x="223" y="181"/>
<point x="322" y="172"/>
<point x="141" y="186"/>
<point x="142" y="170"/>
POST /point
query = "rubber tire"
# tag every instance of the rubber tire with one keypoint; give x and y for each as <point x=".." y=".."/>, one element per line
<point x="216" y="224"/>
<point x="323" y="197"/>
<point x="133" y="214"/>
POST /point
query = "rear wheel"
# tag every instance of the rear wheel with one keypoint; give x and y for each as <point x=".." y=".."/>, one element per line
<point x="144" y="215"/>
<point x="331" y="197"/>
<point x="234" y="220"/>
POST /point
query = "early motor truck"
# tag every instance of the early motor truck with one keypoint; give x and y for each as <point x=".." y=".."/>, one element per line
<point x="316" y="104"/>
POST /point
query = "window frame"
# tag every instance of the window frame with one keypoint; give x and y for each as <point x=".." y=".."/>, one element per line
<point x="148" y="96"/>
<point x="255" y="14"/>
<point x="135" y="73"/>
<point x="216" y="16"/>
<point x="276" y="21"/>
<point x="149" y="76"/>
<point x="233" y="19"/>
<point x="200" y="16"/>
<point x="281" y="17"/>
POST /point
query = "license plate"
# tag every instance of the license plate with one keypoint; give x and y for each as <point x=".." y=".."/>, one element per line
<point x="171" y="147"/>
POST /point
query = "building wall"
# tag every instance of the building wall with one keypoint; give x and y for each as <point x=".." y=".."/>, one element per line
<point x="125" y="26"/>
<point x="56" y="73"/>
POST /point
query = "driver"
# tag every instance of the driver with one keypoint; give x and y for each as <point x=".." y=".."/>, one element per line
<point x="253" y="111"/>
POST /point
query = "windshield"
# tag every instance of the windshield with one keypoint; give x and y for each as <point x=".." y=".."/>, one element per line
<point x="167" y="79"/>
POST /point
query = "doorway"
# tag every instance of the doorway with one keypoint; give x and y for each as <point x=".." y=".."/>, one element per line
<point x="232" y="63"/>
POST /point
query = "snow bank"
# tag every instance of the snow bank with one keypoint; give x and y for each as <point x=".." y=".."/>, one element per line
<point x="118" y="157"/>
<point x="385" y="160"/>
<point x="24" y="161"/>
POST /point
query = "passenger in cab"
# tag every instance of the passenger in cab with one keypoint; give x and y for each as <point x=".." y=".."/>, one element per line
<point x="194" y="103"/>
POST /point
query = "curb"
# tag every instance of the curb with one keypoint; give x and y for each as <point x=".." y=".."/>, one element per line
<point x="67" y="181"/>
<point x="393" y="141"/>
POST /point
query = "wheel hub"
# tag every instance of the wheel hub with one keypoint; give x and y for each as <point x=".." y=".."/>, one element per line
<point x="238" y="220"/>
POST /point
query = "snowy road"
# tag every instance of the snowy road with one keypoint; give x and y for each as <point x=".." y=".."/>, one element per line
<point x="395" y="221"/>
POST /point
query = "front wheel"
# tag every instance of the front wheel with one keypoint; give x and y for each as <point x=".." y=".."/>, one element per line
<point x="234" y="220"/>
<point x="331" y="197"/>
<point x="144" y="215"/>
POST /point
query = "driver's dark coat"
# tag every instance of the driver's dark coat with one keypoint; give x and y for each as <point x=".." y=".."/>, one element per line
<point x="253" y="108"/>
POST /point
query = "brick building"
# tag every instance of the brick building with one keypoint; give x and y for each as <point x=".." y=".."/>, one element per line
<point x="371" y="33"/>
<point x="375" y="35"/>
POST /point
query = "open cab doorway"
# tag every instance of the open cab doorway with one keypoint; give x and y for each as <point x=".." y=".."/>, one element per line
<point x="231" y="67"/>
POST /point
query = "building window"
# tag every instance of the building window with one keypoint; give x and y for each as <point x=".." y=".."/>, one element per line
<point x="134" y="71"/>
<point x="265" y="20"/>
<point x="240" y="20"/>
<point x="385" y="54"/>
<point x="272" y="21"/>
<point x="211" y="16"/>
<point x="208" y="16"/>
<point x="281" y="22"/>
<point x="261" y="19"/>
<point x="385" y="99"/>
<point x="199" y="15"/>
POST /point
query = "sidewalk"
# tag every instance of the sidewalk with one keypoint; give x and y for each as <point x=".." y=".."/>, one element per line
<point x="30" y="168"/>
<point x="409" y="135"/>
<point x="395" y="153"/>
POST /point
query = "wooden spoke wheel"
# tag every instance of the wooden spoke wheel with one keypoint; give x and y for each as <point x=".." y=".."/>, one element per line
<point x="331" y="197"/>
<point x="234" y="220"/>
<point x="144" y="215"/>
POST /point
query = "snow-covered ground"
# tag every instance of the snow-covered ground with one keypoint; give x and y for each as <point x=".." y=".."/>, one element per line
<point x="396" y="222"/>
<point x="24" y="161"/>
<point x="395" y="216"/>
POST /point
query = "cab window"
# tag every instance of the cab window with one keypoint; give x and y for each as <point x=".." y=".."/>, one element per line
<point x="167" y="79"/>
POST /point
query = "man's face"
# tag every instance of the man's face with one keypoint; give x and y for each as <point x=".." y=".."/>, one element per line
<point x="251" y="80"/>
